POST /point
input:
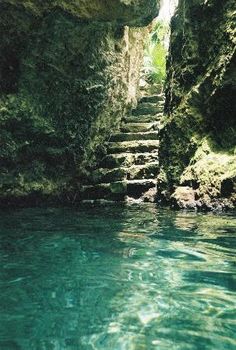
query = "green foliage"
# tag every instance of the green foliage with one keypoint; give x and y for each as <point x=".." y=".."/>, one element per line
<point x="156" y="52"/>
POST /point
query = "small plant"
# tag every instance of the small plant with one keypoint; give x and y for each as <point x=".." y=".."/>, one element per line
<point x="156" y="53"/>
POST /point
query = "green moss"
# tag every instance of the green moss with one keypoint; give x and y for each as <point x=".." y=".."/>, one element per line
<point x="62" y="94"/>
<point x="198" y="140"/>
<point x="207" y="170"/>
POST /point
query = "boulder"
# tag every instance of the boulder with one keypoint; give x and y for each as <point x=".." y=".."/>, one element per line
<point x="184" y="198"/>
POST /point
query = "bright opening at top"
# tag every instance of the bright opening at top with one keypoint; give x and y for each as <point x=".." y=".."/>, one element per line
<point x="167" y="9"/>
<point x="158" y="43"/>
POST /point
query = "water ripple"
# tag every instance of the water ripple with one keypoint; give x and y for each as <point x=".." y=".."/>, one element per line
<point x="117" y="278"/>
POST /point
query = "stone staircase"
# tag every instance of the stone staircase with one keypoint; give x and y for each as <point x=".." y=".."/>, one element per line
<point x="128" y="172"/>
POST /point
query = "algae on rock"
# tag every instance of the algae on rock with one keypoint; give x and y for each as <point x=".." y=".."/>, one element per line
<point x="68" y="74"/>
<point x="197" y="144"/>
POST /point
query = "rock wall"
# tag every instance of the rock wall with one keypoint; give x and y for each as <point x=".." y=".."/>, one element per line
<point x="68" y="74"/>
<point x="197" y="150"/>
<point x="122" y="12"/>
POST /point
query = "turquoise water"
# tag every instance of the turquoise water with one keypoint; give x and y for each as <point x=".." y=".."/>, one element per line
<point x="117" y="278"/>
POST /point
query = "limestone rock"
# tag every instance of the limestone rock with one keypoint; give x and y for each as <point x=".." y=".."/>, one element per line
<point x="118" y="187"/>
<point x="228" y="186"/>
<point x="150" y="196"/>
<point x="123" y="12"/>
<point x="198" y="139"/>
<point x="69" y="72"/>
<point x="184" y="198"/>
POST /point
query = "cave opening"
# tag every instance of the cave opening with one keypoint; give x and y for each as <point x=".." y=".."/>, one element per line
<point x="157" y="44"/>
<point x="112" y="117"/>
<point x="74" y="113"/>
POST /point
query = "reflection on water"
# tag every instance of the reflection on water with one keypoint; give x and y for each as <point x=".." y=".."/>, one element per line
<point x="117" y="278"/>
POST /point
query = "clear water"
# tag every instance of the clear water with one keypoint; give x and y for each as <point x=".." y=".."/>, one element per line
<point x="117" y="278"/>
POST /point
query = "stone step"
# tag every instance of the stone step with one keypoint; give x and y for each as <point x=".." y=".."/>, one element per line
<point x="153" y="98"/>
<point x="133" y="146"/>
<point x="131" y="136"/>
<point x="106" y="175"/>
<point x="143" y="118"/>
<point x="108" y="191"/>
<point x="99" y="201"/>
<point x="147" y="108"/>
<point x="139" y="172"/>
<point x="128" y="159"/>
<point x="117" y="190"/>
<point x="139" y="127"/>
<point x="136" y="188"/>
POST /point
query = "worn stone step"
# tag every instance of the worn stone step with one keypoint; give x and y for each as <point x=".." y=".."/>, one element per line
<point x="139" y="127"/>
<point x="100" y="201"/>
<point x="136" y="188"/>
<point x="152" y="89"/>
<point x="117" y="190"/>
<point x="131" y="136"/>
<point x="147" y="108"/>
<point x="153" y="98"/>
<point x="128" y="159"/>
<point x="133" y="146"/>
<point x="108" y="191"/>
<point x="143" y="118"/>
<point x="141" y="172"/>
<point x="106" y="175"/>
